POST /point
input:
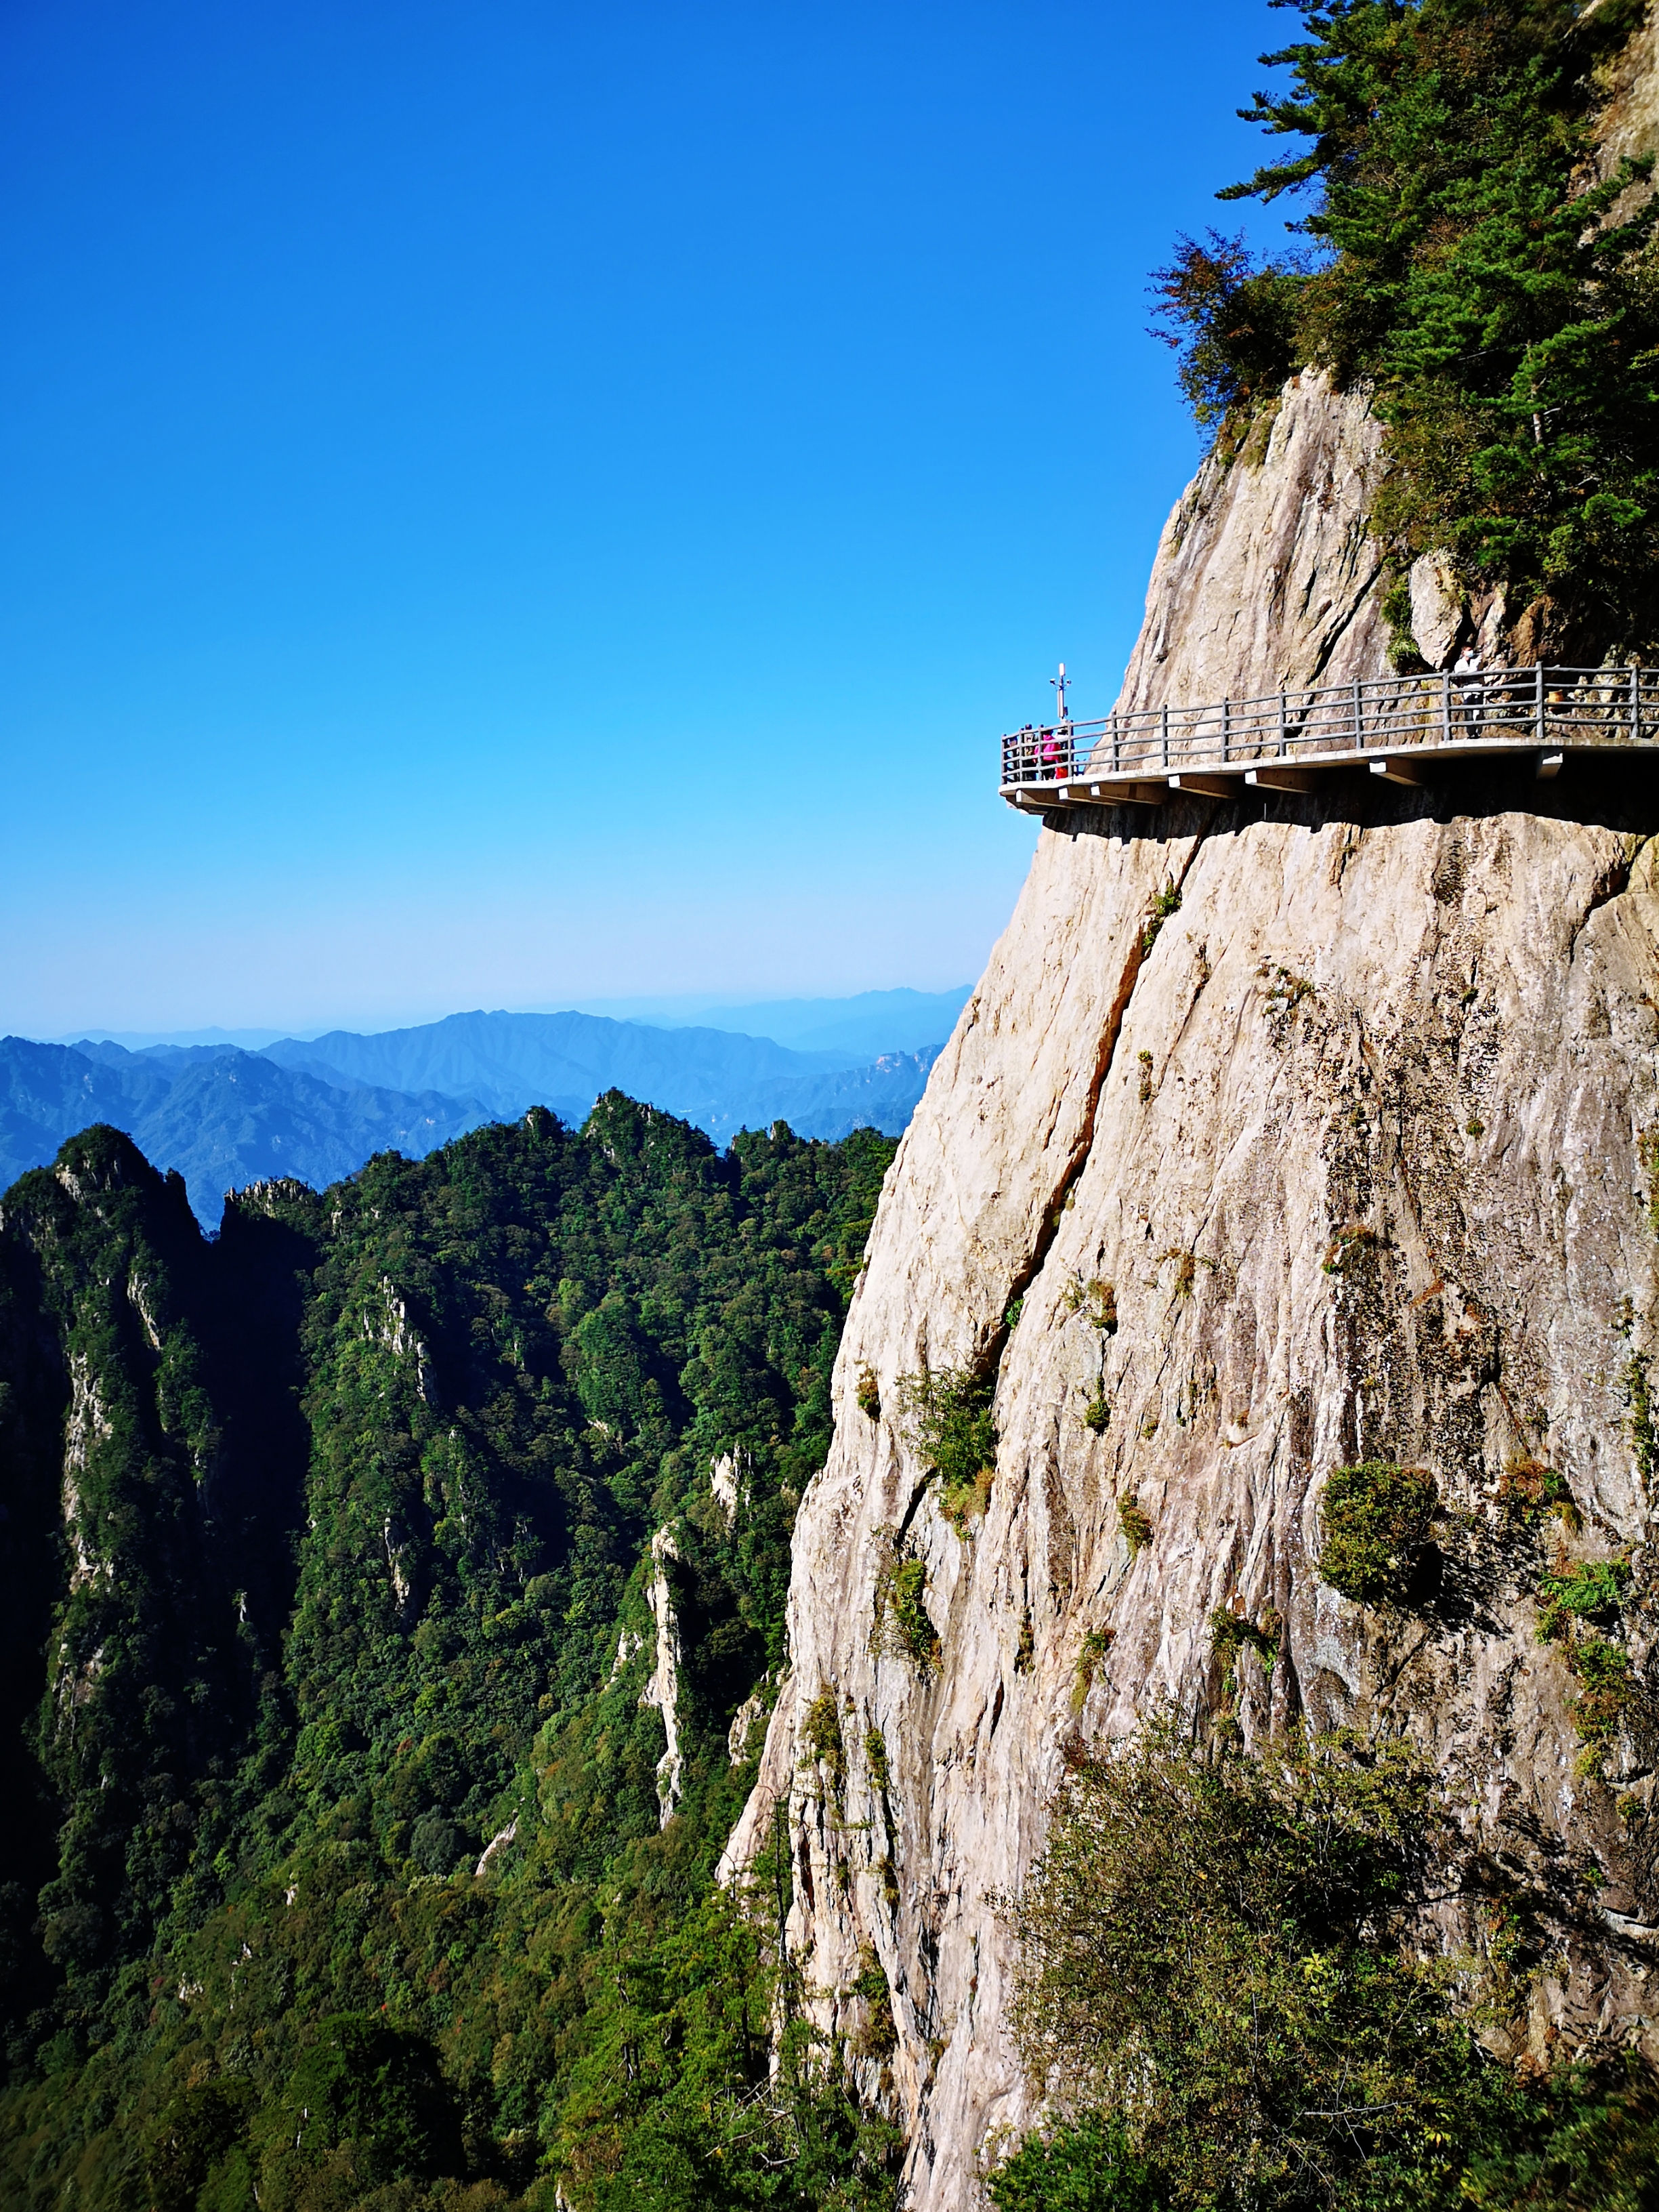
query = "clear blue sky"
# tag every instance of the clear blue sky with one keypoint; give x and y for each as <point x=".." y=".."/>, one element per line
<point x="516" y="502"/>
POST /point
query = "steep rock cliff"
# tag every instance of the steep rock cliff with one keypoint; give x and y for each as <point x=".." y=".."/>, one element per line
<point x="1264" y="575"/>
<point x="1342" y="1159"/>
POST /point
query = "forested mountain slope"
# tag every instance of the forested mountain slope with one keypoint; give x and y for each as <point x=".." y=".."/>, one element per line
<point x="340" y="1661"/>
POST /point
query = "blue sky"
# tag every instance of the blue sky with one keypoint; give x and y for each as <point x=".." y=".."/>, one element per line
<point x="523" y="502"/>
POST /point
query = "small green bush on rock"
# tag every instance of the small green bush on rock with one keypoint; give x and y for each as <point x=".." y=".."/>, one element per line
<point x="1375" y="1519"/>
<point x="875" y="1758"/>
<point x="868" y="1393"/>
<point x="1096" y="1644"/>
<point x="1230" y="1632"/>
<point x="946" y="1417"/>
<point x="1603" y="1671"/>
<point x="821" y="1734"/>
<point x="909" y="1610"/>
<point x="1136" y="1526"/>
<point x="878" y="2037"/>
<point x="1590" y="1591"/>
<point x="902" y="1628"/>
<point x="1529" y="1491"/>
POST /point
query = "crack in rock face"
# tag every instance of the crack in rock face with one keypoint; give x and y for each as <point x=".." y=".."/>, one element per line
<point x="1352" y="1169"/>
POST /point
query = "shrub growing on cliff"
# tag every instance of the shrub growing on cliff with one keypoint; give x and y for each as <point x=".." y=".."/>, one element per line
<point x="1230" y="1634"/>
<point x="1133" y="1519"/>
<point x="1096" y="1644"/>
<point x="1592" y="1590"/>
<point x="1528" y="1491"/>
<point x="901" y="1627"/>
<point x="820" y="1732"/>
<point x="868" y="1393"/>
<point x="1375" y="1519"/>
<point x="1085" y="2166"/>
<point x="945" y="1415"/>
<point x="1603" y="1671"/>
<point x="1222" y="1959"/>
<point x="1232" y="319"/>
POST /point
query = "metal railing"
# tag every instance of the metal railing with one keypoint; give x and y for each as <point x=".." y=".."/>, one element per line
<point x="1498" y="707"/>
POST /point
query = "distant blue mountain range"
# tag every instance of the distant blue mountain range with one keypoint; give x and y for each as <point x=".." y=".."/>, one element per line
<point x="317" y="1107"/>
<point x="867" y="1027"/>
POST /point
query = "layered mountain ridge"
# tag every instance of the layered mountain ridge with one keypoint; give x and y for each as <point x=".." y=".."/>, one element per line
<point x="318" y="1109"/>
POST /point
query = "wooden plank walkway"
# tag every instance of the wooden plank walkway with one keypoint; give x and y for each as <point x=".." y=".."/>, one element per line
<point x="1402" y="728"/>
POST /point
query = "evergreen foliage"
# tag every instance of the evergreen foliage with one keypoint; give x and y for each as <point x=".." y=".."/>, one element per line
<point x="349" y="1602"/>
<point x="1470" y="265"/>
<point x="1086" y="2166"/>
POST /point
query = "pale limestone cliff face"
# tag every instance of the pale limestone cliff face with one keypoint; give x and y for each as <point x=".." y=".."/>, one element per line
<point x="663" y="1690"/>
<point x="1266" y="577"/>
<point x="1630" y="123"/>
<point x="1426" y="1020"/>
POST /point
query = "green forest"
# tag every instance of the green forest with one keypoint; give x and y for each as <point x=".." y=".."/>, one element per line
<point x="336" y="1872"/>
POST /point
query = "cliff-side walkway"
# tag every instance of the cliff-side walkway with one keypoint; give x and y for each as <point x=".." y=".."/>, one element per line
<point x="1400" y="727"/>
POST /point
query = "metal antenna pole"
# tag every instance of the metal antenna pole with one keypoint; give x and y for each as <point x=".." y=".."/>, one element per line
<point x="1060" y="687"/>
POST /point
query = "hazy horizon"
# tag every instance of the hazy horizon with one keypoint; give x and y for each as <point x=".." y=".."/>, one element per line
<point x="693" y="1009"/>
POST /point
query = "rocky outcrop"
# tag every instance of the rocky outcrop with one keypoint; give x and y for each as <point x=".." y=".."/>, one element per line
<point x="87" y="1426"/>
<point x="386" y="1322"/>
<point x="663" y="1690"/>
<point x="1266" y="577"/>
<point x="728" y="1483"/>
<point x="1342" y="1157"/>
<point x="1630" y="123"/>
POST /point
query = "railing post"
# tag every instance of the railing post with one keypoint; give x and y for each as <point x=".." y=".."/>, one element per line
<point x="1445" y="707"/>
<point x="1537" y="702"/>
<point x="1226" y="724"/>
<point x="1166" y="733"/>
<point x="1117" y="743"/>
<point x="1635" y="710"/>
<point x="1358" y="717"/>
<point x="1283" y="711"/>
